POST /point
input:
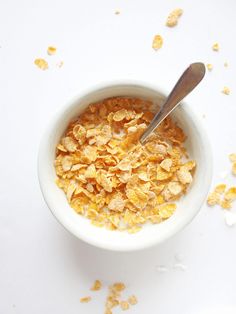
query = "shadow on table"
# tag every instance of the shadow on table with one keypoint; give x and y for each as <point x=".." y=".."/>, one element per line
<point x="112" y="266"/>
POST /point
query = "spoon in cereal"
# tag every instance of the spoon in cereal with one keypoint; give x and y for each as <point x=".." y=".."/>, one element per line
<point x="191" y="77"/>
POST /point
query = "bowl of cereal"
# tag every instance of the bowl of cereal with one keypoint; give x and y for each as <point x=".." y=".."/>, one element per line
<point x="109" y="190"/>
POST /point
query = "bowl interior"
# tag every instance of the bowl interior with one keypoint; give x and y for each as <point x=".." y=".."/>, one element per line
<point x="187" y="207"/>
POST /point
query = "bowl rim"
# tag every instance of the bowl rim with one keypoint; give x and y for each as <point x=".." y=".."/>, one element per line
<point x="52" y="124"/>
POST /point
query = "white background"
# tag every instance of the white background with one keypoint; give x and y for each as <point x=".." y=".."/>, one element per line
<point x="44" y="269"/>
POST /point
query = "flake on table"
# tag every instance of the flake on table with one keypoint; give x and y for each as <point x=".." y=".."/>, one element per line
<point x="41" y="63"/>
<point x="51" y="50"/>
<point x="215" y="47"/>
<point x="225" y="90"/>
<point x="209" y="67"/>
<point x="157" y="42"/>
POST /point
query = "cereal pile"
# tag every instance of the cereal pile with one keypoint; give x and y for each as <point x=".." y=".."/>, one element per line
<point x="110" y="178"/>
<point x="113" y="297"/>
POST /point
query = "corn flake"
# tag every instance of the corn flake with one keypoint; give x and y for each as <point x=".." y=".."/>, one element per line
<point x="157" y="42"/>
<point x="172" y="19"/>
<point x="41" y="63"/>
<point x="96" y="286"/>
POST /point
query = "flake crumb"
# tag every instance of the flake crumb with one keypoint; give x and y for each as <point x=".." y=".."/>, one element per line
<point x="41" y="63"/>
<point x="117" y="12"/>
<point x="209" y="66"/>
<point x="226" y="90"/>
<point x="157" y="42"/>
<point x="124" y="305"/>
<point x="51" y="50"/>
<point x="132" y="300"/>
<point x="215" y="47"/>
<point x="85" y="299"/>
<point x="232" y="158"/>
<point x="230" y="218"/>
<point x="96" y="286"/>
<point x="226" y="64"/>
<point x="60" y="64"/>
<point x="172" y="19"/>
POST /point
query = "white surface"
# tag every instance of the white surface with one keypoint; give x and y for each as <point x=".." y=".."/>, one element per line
<point x="197" y="145"/>
<point x="44" y="269"/>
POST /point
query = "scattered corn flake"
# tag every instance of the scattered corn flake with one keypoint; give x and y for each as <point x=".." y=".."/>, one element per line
<point x="230" y="194"/>
<point x="96" y="286"/>
<point x="157" y="42"/>
<point x="132" y="300"/>
<point x="213" y="198"/>
<point x="41" y="63"/>
<point x="215" y="47"/>
<point x="118" y="286"/>
<point x="117" y="12"/>
<point x="124" y="305"/>
<point x="232" y="157"/>
<point x="226" y="90"/>
<point x="172" y="19"/>
<point x="226" y="64"/>
<point x="220" y="188"/>
<point x="209" y="66"/>
<point x="51" y="50"/>
<point x="234" y="168"/>
<point x="60" y="64"/>
<point x="226" y="204"/>
<point x="85" y="299"/>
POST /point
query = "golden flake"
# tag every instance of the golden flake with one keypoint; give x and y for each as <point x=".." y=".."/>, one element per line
<point x="172" y="19"/>
<point x="157" y="42"/>
<point x="215" y="47"/>
<point x="41" y="63"/>
<point x="132" y="300"/>
<point x="226" y="90"/>
<point x="51" y="50"/>
<point x="85" y="299"/>
<point x="96" y="286"/>
<point x="209" y="66"/>
<point x="124" y="305"/>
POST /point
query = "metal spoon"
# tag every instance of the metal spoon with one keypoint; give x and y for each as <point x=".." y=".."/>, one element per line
<point x="191" y="77"/>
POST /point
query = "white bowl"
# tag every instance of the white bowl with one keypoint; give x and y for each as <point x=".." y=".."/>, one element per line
<point x="187" y="207"/>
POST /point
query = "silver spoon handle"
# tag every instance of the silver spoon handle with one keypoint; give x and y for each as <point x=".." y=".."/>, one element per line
<point x="191" y="77"/>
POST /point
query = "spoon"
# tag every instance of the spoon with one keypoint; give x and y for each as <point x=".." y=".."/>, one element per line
<point x="191" y="77"/>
